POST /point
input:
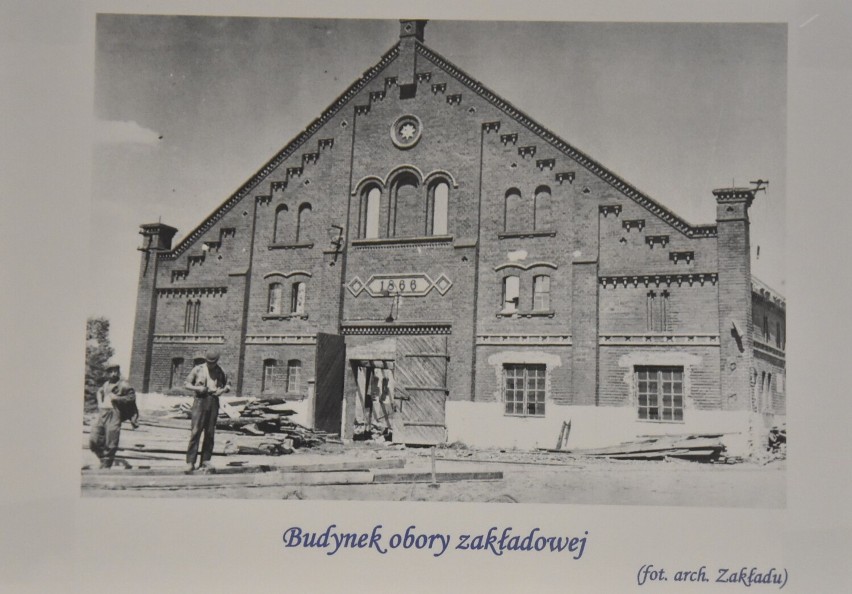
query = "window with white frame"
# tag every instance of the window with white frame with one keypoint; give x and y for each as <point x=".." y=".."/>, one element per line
<point x="294" y="375"/>
<point x="659" y="393"/>
<point x="524" y="389"/>
<point x="541" y="293"/>
<point x="271" y="380"/>
<point x="511" y="293"/>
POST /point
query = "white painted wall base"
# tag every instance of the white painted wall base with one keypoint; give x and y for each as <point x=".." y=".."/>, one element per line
<point x="483" y="424"/>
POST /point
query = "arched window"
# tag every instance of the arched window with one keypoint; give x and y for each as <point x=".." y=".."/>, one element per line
<point x="511" y="293"/>
<point x="297" y="298"/>
<point x="514" y="218"/>
<point x="187" y="318"/>
<point x="371" y="203"/>
<point x="301" y="228"/>
<point x="440" y="197"/>
<point x="542" y="209"/>
<point x="272" y="374"/>
<point x="176" y="374"/>
<point x="276" y="298"/>
<point x="280" y="223"/>
<point x="541" y="293"/>
<point x="409" y="208"/>
<point x="190" y="320"/>
<point x="294" y="375"/>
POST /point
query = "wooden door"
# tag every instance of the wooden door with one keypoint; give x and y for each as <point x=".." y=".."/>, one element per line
<point x="328" y="395"/>
<point x="421" y="390"/>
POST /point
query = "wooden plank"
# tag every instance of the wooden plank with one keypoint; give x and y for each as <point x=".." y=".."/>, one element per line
<point x="441" y="477"/>
<point x="651" y="445"/>
<point x="285" y="468"/>
<point x="171" y="471"/>
<point x="343" y="466"/>
<point x="196" y="480"/>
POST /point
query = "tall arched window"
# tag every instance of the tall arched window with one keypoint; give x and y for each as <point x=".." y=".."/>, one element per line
<point x="190" y="320"/>
<point x="297" y="298"/>
<point x="280" y="223"/>
<point x="370" y="212"/>
<point x="409" y="208"/>
<point x="542" y="213"/>
<point x="276" y="298"/>
<point x="514" y="218"/>
<point x="301" y="222"/>
<point x="440" y="197"/>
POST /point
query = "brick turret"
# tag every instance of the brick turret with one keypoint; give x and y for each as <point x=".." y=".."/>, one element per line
<point x="735" y="324"/>
<point x="157" y="238"/>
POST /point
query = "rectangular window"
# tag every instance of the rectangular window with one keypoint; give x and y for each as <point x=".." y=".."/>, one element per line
<point x="297" y="299"/>
<point x="511" y="293"/>
<point x="766" y="328"/>
<point x="524" y="390"/>
<point x="541" y="293"/>
<point x="659" y="393"/>
<point x="294" y="373"/>
<point x="778" y="334"/>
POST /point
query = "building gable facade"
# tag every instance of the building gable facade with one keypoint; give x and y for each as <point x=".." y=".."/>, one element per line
<point x="427" y="257"/>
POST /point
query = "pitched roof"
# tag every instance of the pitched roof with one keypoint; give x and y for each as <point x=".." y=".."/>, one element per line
<point x="283" y="154"/>
<point x="654" y="207"/>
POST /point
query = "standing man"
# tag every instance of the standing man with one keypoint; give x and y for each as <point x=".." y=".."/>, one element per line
<point x="207" y="381"/>
<point x="113" y="397"/>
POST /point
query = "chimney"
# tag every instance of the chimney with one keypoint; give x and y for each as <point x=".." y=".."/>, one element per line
<point x="410" y="33"/>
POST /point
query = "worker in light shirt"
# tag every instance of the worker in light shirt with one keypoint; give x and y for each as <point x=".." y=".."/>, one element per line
<point x="207" y="382"/>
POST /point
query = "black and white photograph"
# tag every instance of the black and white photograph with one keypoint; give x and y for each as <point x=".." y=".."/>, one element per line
<point x="447" y="284"/>
<point x="395" y="296"/>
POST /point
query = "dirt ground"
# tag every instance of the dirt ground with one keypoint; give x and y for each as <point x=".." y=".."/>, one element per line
<point x="528" y="477"/>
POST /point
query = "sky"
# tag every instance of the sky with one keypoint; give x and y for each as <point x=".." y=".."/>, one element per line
<point x="188" y="108"/>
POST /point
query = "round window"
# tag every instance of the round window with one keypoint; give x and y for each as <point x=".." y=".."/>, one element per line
<point x="405" y="131"/>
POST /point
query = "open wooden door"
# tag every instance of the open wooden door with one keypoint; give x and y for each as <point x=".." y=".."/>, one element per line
<point x="421" y="390"/>
<point x="328" y="396"/>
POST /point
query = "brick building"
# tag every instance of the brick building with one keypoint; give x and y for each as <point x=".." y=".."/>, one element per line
<point x="427" y="254"/>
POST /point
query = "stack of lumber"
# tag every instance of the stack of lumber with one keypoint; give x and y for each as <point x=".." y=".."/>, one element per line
<point x="705" y="448"/>
<point x="266" y="416"/>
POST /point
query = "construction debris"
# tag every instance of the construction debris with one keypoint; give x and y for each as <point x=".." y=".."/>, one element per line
<point x="704" y="448"/>
<point x="266" y="416"/>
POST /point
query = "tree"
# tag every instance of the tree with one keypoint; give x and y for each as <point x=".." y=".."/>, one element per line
<point x="98" y="352"/>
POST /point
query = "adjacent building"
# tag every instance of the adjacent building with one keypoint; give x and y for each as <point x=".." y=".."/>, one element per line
<point x="428" y="257"/>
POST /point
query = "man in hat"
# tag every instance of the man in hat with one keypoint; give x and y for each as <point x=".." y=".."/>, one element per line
<point x="116" y="403"/>
<point x="207" y="381"/>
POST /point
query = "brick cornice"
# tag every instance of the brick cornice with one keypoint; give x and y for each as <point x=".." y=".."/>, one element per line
<point x="282" y="155"/>
<point x="692" y="231"/>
